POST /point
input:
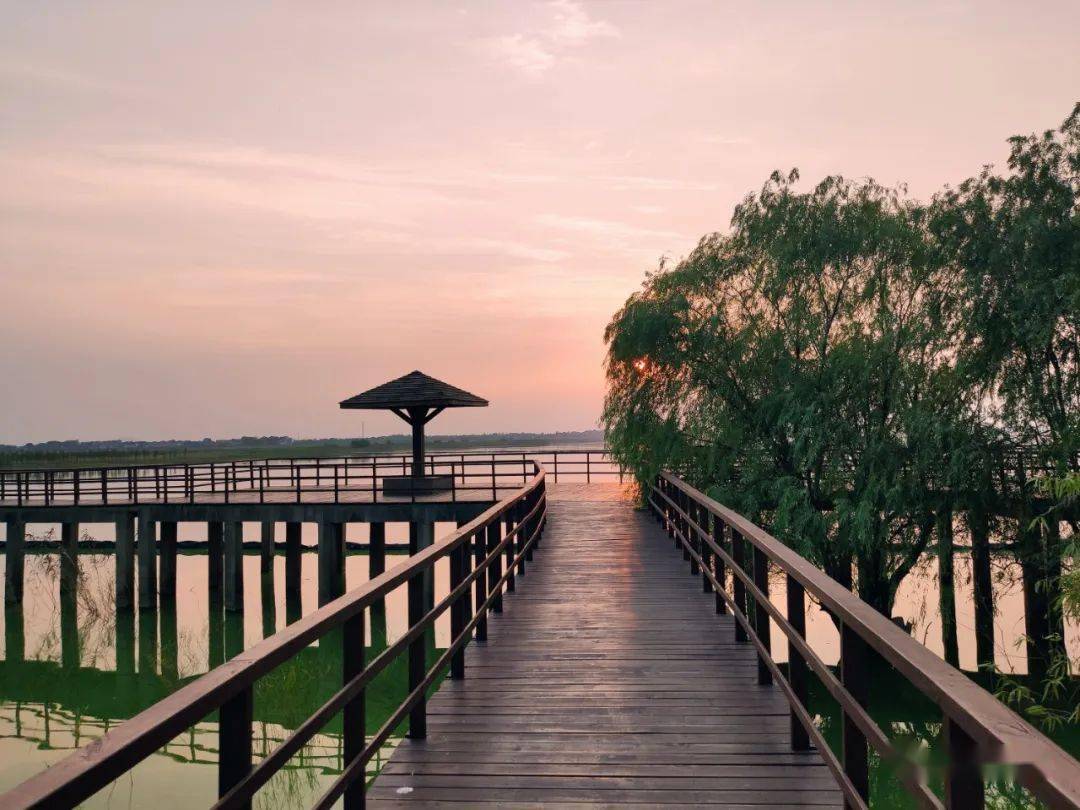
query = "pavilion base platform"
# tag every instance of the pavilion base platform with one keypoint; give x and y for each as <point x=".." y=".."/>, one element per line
<point x="410" y="485"/>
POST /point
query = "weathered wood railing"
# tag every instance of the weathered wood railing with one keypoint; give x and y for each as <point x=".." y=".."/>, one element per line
<point x="476" y="553"/>
<point x="977" y="728"/>
<point x="298" y="479"/>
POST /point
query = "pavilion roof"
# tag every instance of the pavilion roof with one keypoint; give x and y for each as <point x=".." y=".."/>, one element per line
<point x="414" y="390"/>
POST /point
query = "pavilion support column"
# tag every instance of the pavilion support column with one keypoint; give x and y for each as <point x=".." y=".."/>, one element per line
<point x="147" y="561"/>
<point x="416" y="420"/>
<point x="167" y="569"/>
<point x="293" y="563"/>
<point x="125" y="563"/>
<point x="331" y="561"/>
<point x="69" y="557"/>
<point x="16" y="561"/>
<point x="234" y="566"/>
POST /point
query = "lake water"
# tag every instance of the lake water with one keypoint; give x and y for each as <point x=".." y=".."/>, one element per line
<point x="71" y="670"/>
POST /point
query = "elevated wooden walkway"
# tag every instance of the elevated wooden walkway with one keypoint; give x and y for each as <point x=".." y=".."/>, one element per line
<point x="607" y="680"/>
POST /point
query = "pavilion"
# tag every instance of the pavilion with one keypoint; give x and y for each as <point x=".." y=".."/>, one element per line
<point x="417" y="399"/>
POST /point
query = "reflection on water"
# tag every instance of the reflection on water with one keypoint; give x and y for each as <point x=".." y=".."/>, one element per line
<point x="73" y="667"/>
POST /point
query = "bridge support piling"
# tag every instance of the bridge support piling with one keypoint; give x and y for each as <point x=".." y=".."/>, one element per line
<point x="167" y="566"/>
<point x="376" y="566"/>
<point x="147" y="551"/>
<point x="69" y="629"/>
<point x="69" y="557"/>
<point x="293" y="608"/>
<point x="169" y="643"/>
<point x="125" y="642"/>
<point x="269" y="604"/>
<point x="148" y="642"/>
<point x="15" y="554"/>
<point x="125" y="564"/>
<point x="422" y="535"/>
<point x="266" y="547"/>
<point x="234" y="566"/>
<point x="215" y="561"/>
<point x="331" y="561"/>
<point x="14" y="632"/>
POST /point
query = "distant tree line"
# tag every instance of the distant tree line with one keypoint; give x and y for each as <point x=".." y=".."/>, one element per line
<point x="870" y="375"/>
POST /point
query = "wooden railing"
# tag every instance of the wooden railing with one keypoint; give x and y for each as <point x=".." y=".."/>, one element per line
<point x="977" y="728"/>
<point x="476" y="555"/>
<point x="300" y="480"/>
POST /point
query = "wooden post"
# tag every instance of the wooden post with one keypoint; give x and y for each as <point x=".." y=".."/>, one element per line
<point x="125" y="638"/>
<point x="69" y="557"/>
<point x="983" y="587"/>
<point x="234" y="566"/>
<point x="147" y="551"/>
<point x="721" y="568"/>
<point x="215" y="563"/>
<point x="331" y="561"/>
<point x="703" y="516"/>
<point x="737" y="554"/>
<point x="494" y="572"/>
<point x="14" y="632"/>
<point x="854" y="673"/>
<point x="148" y="642"/>
<point x="15" y="555"/>
<point x="797" y="670"/>
<point x="354" y="714"/>
<point x="457" y="610"/>
<point x="509" y="521"/>
<point x="480" y="583"/>
<point x="125" y="563"/>
<point x="293" y="565"/>
<point x="417" y="662"/>
<point x="266" y="548"/>
<point x="167" y="566"/>
<point x="234" y="741"/>
<point x="762" y="625"/>
<point x="170" y="669"/>
<point x="964" y="788"/>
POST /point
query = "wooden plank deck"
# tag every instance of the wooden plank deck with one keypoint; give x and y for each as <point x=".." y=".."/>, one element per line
<point x="608" y="680"/>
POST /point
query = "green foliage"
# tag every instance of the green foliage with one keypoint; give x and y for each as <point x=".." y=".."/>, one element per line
<point x="846" y="362"/>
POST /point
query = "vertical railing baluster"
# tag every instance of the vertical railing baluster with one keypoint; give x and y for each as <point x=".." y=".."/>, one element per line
<point x="762" y="624"/>
<point x="854" y="673"/>
<point x="234" y="741"/>
<point x="509" y="522"/>
<point x="707" y="555"/>
<point x="417" y="656"/>
<point x="721" y="567"/>
<point x="480" y="583"/>
<point x="797" y="670"/>
<point x="457" y="610"/>
<point x="737" y="554"/>
<point x="354" y="714"/>
<point x="964" y="788"/>
<point x="494" y="572"/>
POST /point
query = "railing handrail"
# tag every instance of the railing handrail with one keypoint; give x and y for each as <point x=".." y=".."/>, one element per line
<point x="1001" y="734"/>
<point x="82" y="773"/>
<point x="328" y="461"/>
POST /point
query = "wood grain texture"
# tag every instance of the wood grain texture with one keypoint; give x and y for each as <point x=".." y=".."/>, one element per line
<point x="607" y="680"/>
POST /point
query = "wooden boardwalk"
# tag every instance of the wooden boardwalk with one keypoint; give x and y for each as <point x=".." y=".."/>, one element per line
<point x="607" y="680"/>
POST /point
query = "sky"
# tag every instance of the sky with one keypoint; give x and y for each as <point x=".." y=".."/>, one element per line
<point x="220" y="219"/>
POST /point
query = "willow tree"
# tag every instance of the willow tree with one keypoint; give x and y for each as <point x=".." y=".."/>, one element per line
<point x="801" y="367"/>
<point x="1012" y="241"/>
